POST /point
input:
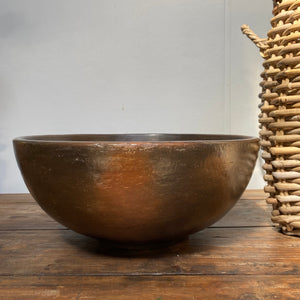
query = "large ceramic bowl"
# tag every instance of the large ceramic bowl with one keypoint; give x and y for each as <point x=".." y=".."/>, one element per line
<point x="136" y="188"/>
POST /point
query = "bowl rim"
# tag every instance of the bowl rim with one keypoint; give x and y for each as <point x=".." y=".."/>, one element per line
<point x="134" y="138"/>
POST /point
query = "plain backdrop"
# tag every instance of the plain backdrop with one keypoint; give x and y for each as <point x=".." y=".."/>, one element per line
<point x="127" y="66"/>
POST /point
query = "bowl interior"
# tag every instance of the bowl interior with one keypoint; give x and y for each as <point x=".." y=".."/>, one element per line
<point x="143" y="137"/>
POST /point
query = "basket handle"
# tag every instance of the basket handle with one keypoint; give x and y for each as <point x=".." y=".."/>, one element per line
<point x="259" y="42"/>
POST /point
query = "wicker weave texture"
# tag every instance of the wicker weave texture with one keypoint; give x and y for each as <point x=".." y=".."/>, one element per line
<point x="280" y="113"/>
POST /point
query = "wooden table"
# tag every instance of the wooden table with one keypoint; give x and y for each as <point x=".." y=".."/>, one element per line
<point x="240" y="257"/>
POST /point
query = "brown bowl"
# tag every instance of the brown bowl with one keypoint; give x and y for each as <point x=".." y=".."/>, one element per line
<point x="136" y="188"/>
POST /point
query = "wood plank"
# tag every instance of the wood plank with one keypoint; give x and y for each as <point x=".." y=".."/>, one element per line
<point x="150" y="287"/>
<point x="16" y="198"/>
<point x="18" y="215"/>
<point x="253" y="195"/>
<point x="247" y="213"/>
<point x="240" y="257"/>
<point x="252" y="251"/>
<point x="25" y="216"/>
<point x="25" y="197"/>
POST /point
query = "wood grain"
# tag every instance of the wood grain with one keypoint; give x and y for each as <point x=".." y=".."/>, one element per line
<point x="150" y="287"/>
<point x="240" y="257"/>
<point x="16" y="198"/>
<point x="253" y="195"/>
<point x="25" y="215"/>
<point x="254" y="251"/>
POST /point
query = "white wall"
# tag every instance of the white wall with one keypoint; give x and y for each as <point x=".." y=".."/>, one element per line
<point x="105" y="66"/>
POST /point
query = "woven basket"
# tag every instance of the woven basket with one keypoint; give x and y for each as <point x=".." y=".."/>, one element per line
<point x="280" y="113"/>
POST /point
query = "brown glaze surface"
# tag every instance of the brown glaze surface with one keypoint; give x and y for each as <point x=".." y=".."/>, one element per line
<point x="136" y="188"/>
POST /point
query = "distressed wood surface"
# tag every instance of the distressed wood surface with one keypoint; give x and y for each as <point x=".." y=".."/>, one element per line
<point x="241" y="257"/>
<point x="151" y="287"/>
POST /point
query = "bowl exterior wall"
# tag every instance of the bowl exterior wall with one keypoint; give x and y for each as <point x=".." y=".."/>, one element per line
<point x="137" y="192"/>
